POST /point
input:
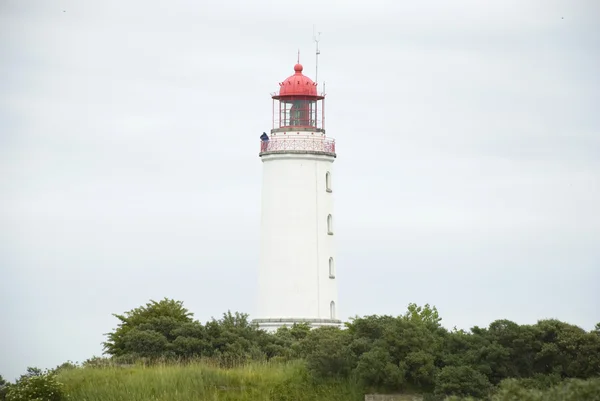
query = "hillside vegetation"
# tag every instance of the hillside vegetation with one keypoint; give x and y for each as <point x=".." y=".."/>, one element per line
<point x="200" y="381"/>
<point x="159" y="352"/>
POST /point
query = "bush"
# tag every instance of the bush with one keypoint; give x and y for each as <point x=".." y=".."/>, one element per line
<point x="97" y="362"/>
<point x="461" y="381"/>
<point x="539" y="382"/>
<point x="328" y="355"/>
<point x="36" y="386"/>
<point x="569" y="390"/>
<point x="3" y="388"/>
<point x="65" y="366"/>
<point x="375" y="370"/>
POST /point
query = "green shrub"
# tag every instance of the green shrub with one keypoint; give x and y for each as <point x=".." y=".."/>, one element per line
<point x="461" y="381"/>
<point x="569" y="390"/>
<point x="376" y="370"/>
<point x="3" y="388"/>
<point x="328" y="355"/>
<point x="36" y="386"/>
<point x="65" y="366"/>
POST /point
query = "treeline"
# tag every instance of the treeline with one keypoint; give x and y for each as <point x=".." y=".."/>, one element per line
<point x="411" y="352"/>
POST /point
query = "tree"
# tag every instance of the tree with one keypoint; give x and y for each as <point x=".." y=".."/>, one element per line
<point x="567" y="350"/>
<point x="425" y="314"/>
<point x="191" y="340"/>
<point x="420" y="368"/>
<point x="383" y="353"/>
<point x="145" y="343"/>
<point x="462" y="381"/>
<point x="233" y="340"/>
<point x="327" y="353"/>
<point x="376" y="370"/>
<point x="32" y="372"/>
<point x="149" y="327"/>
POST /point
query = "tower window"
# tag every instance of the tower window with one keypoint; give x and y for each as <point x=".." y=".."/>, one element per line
<point x="328" y="181"/>
<point x="332" y="309"/>
<point x="329" y="225"/>
<point x="331" y="268"/>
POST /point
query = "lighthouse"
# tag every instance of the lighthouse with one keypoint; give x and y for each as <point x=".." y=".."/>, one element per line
<point x="297" y="273"/>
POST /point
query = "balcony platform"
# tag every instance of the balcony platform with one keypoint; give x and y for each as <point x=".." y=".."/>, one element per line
<point x="293" y="144"/>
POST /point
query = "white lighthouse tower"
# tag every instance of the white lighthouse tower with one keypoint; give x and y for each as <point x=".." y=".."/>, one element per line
<point x="297" y="275"/>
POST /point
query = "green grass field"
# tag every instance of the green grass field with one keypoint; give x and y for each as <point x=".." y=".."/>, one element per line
<point x="201" y="381"/>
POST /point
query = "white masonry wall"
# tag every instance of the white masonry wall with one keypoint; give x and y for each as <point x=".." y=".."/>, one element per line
<point x="294" y="279"/>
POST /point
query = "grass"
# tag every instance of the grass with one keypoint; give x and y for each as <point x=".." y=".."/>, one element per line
<point x="276" y="381"/>
<point x="202" y="381"/>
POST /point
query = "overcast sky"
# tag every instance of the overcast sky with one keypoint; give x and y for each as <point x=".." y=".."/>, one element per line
<point x="467" y="177"/>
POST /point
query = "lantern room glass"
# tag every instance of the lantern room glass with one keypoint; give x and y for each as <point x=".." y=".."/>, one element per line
<point x="298" y="112"/>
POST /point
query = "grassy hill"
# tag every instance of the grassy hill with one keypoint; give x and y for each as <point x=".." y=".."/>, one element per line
<point x="201" y="381"/>
<point x="273" y="381"/>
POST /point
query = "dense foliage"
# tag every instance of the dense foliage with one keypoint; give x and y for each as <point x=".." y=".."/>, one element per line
<point x="568" y="390"/>
<point x="410" y="353"/>
<point x="268" y="381"/>
<point x="36" y="385"/>
<point x="3" y="388"/>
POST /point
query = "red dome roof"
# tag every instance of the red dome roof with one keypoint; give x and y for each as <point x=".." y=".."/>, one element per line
<point x="298" y="84"/>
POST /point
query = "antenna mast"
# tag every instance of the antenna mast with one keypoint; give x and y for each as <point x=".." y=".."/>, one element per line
<point x="316" y="39"/>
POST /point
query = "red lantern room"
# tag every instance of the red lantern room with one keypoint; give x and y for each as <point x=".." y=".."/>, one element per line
<point x="298" y="107"/>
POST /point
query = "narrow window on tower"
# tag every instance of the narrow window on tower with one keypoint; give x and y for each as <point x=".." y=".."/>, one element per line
<point x="331" y="268"/>
<point x="328" y="181"/>
<point x="332" y="309"/>
<point x="329" y="225"/>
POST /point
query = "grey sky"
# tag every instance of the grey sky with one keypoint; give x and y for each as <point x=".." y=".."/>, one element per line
<point x="468" y="170"/>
